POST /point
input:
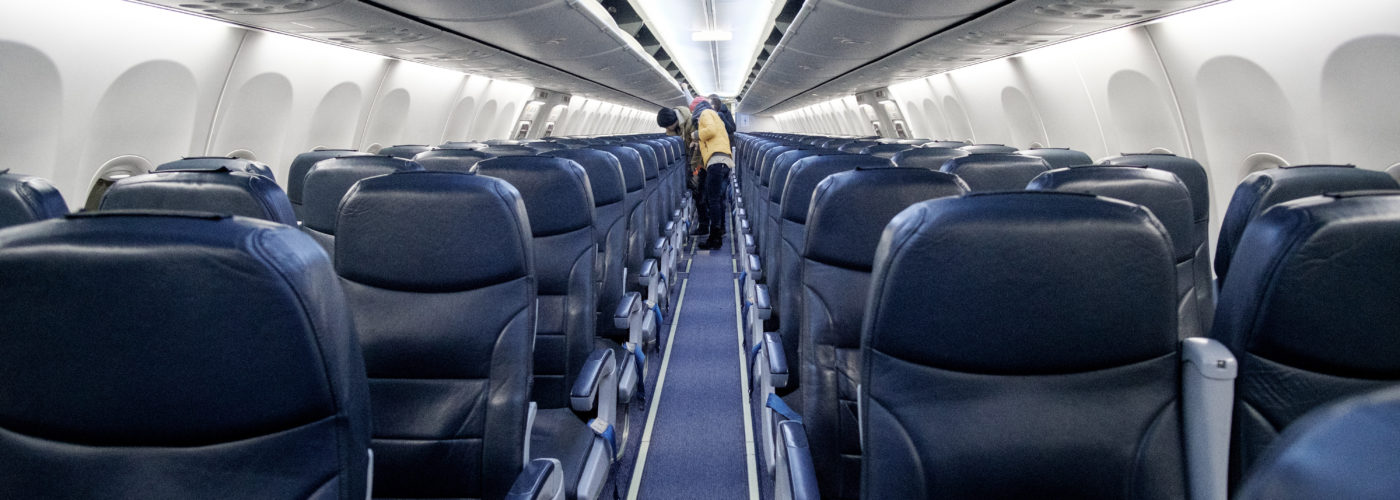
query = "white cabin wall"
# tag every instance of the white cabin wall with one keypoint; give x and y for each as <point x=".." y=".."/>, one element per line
<point x="1309" y="83"/>
<point x="88" y="82"/>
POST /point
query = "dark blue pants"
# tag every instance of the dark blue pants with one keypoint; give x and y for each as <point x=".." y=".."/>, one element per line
<point x="716" y="177"/>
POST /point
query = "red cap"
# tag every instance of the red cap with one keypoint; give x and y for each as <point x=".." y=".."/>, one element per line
<point x="696" y="102"/>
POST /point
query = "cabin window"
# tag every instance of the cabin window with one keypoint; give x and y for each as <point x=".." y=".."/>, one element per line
<point x="549" y="129"/>
<point x="899" y="130"/>
<point x="523" y="131"/>
<point x="112" y="171"/>
<point x="876" y="126"/>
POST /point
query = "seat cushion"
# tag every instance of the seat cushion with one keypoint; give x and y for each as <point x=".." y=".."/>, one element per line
<point x="559" y="434"/>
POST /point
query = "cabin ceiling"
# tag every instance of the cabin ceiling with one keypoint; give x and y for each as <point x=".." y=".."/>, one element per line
<point x="798" y="53"/>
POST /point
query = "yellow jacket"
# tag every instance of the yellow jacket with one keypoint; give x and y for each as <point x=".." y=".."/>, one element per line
<point x="713" y="136"/>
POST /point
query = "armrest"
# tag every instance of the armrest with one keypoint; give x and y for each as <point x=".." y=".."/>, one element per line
<point x="1208" y="393"/>
<point x="748" y="244"/>
<point x="659" y="246"/>
<point x="799" y="480"/>
<point x="648" y="270"/>
<point x="599" y="365"/>
<point x="763" y="304"/>
<point x="755" y="266"/>
<point x="743" y="223"/>
<point x="777" y="358"/>
<point x="542" y="479"/>
<point x="627" y="308"/>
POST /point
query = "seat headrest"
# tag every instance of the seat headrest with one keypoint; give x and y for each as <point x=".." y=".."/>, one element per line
<point x="853" y="147"/>
<point x="558" y="198"/>
<point x="943" y="144"/>
<point x="27" y="199"/>
<point x="462" y="145"/>
<point x="885" y="150"/>
<point x="1342" y="450"/>
<point x="1315" y="286"/>
<point x="978" y="149"/>
<point x="329" y="180"/>
<point x="405" y="151"/>
<point x="218" y="191"/>
<point x="1266" y="188"/>
<point x="1019" y="283"/>
<point x="929" y="158"/>
<point x="650" y="163"/>
<point x="432" y="232"/>
<point x="509" y="150"/>
<point x="851" y="209"/>
<point x="166" y="330"/>
<point x="1059" y="157"/>
<point x="778" y="175"/>
<point x="1188" y="170"/>
<point x="633" y="173"/>
<point x="604" y="173"/>
<point x="543" y="146"/>
<point x="451" y="160"/>
<point x="995" y="171"/>
<point x="805" y="174"/>
<point x="211" y="163"/>
<point x="1158" y="190"/>
<point x="296" y="173"/>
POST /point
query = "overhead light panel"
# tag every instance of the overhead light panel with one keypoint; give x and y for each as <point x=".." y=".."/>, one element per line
<point x="711" y="36"/>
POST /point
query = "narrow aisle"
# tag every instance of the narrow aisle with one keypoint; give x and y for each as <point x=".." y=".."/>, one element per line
<point x="696" y="445"/>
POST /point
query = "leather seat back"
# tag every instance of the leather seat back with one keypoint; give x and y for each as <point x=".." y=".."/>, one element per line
<point x="559" y="202"/>
<point x="1021" y="345"/>
<point x="328" y="181"/>
<point x="1266" y="188"/>
<point x="437" y="270"/>
<point x="215" y="162"/>
<point x="296" y="172"/>
<point x="405" y="151"/>
<point x="978" y="149"/>
<point x="177" y="356"/>
<point x="1309" y="311"/>
<point x="1162" y="193"/>
<point x="609" y="191"/>
<point x="1059" y="157"/>
<point x="849" y="212"/>
<point x="634" y="209"/>
<point x="451" y="160"/>
<point x="995" y="171"/>
<point x="885" y="150"/>
<point x="928" y="158"/>
<point x="207" y="189"/>
<point x="25" y="199"/>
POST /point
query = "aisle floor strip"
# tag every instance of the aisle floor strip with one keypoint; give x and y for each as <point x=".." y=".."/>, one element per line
<point x="750" y="457"/>
<point x="656" y="397"/>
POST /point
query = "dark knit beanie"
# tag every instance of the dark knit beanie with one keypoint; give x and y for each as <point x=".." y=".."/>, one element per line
<point x="666" y="117"/>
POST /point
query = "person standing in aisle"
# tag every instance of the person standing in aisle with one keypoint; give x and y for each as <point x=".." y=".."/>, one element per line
<point x="677" y="122"/>
<point x="716" y="159"/>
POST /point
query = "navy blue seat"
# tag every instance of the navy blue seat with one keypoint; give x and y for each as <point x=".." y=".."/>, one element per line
<point x="995" y="171"/>
<point x="978" y="149"/>
<point x="328" y="181"/>
<point x="296" y="173"/>
<point x="943" y="144"/>
<point x="852" y="147"/>
<point x="405" y="151"/>
<point x="451" y="160"/>
<point x="437" y="271"/>
<point x="570" y="374"/>
<point x="1193" y="175"/>
<point x="545" y="146"/>
<point x="177" y="356"/>
<point x="639" y="277"/>
<point x="462" y="145"/>
<point x="849" y="212"/>
<point x="927" y="158"/>
<point x="1022" y="345"/>
<point x="620" y="314"/>
<point x="1059" y="157"/>
<point x="509" y="150"/>
<point x="1310" y="310"/>
<point x="885" y="150"/>
<point x="657" y="243"/>
<point x="215" y="162"/>
<point x="1160" y="192"/>
<point x="1266" y="188"/>
<point x="1349" y="449"/>
<point x="25" y="199"/>
<point x="202" y="189"/>
<point x="769" y="252"/>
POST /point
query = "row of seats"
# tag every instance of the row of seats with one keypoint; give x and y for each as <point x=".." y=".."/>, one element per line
<point x="497" y="321"/>
<point x="1005" y="279"/>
